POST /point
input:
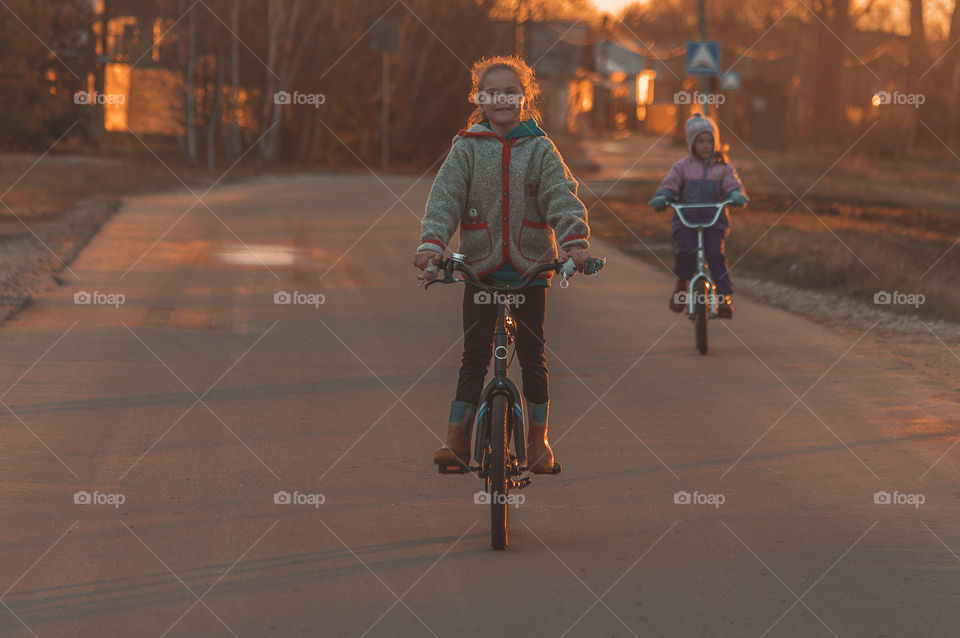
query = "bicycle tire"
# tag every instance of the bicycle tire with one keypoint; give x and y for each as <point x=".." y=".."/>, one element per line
<point x="700" y="315"/>
<point x="498" y="477"/>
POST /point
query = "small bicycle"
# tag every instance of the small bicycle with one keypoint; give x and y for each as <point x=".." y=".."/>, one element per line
<point x="701" y="296"/>
<point x="500" y="416"/>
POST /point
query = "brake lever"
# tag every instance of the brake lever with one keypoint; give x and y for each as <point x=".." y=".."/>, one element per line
<point x="448" y="277"/>
<point x="567" y="271"/>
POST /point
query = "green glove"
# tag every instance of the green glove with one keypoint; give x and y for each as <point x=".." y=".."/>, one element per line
<point x="659" y="202"/>
<point x="738" y="198"/>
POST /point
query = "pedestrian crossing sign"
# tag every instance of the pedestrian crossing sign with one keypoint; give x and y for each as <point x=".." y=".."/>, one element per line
<point x="703" y="57"/>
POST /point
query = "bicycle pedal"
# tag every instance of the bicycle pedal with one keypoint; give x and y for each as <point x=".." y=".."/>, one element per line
<point x="453" y="468"/>
<point x="522" y="483"/>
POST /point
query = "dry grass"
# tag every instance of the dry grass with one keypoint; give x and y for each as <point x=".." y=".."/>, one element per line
<point x="851" y="249"/>
<point x="56" y="203"/>
<point x="39" y="188"/>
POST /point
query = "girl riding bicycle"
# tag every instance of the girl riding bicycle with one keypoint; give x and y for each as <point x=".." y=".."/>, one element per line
<point x="507" y="188"/>
<point x="704" y="176"/>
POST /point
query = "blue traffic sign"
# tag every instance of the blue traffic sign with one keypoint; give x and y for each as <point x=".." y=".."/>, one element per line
<point x="703" y="58"/>
<point x="730" y="81"/>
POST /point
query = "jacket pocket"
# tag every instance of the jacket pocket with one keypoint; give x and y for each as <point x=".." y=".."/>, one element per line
<point x="475" y="241"/>
<point x="536" y="241"/>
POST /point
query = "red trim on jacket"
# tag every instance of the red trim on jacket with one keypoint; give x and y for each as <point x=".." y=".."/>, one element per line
<point x="504" y="202"/>
<point x="571" y="238"/>
<point x="527" y="222"/>
<point x="435" y="241"/>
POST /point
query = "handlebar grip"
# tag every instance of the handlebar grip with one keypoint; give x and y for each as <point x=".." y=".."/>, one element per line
<point x="593" y="265"/>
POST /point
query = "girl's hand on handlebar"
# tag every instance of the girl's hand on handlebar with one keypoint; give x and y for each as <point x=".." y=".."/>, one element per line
<point x="577" y="254"/>
<point x="425" y="258"/>
<point x="659" y="202"/>
<point x="426" y="261"/>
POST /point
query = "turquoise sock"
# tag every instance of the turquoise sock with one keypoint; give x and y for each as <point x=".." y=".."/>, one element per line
<point x="458" y="410"/>
<point x="539" y="411"/>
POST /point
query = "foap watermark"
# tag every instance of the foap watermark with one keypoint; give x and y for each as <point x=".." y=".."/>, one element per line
<point x="882" y="98"/>
<point x="486" y="498"/>
<point x="298" y="498"/>
<point x="498" y="99"/>
<point x="84" y="497"/>
<point x="686" y="97"/>
<point x="297" y="298"/>
<point x="97" y="298"/>
<point x="299" y="99"/>
<point x="897" y="298"/>
<point x="697" y="498"/>
<point x="484" y="297"/>
<point x="85" y="98"/>
<point x="896" y="498"/>
<point x="682" y="298"/>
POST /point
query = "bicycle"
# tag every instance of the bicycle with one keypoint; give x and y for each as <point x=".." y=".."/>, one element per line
<point x="500" y="416"/>
<point x="701" y="296"/>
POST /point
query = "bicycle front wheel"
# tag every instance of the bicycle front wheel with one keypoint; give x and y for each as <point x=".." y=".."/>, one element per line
<point x="498" y="477"/>
<point x="700" y="314"/>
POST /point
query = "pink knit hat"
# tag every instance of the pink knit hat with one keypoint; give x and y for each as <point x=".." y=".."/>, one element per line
<point x="698" y="124"/>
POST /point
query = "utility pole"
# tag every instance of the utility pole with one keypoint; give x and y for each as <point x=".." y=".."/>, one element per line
<point x="385" y="113"/>
<point x="386" y="39"/>
<point x="518" y="29"/>
<point x="705" y="82"/>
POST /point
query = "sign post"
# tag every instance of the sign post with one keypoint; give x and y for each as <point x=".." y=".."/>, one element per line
<point x="385" y="40"/>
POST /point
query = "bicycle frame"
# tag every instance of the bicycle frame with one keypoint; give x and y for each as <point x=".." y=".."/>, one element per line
<point x="500" y="383"/>
<point x="702" y="271"/>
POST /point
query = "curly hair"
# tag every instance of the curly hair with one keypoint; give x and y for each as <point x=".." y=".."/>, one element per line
<point x="524" y="73"/>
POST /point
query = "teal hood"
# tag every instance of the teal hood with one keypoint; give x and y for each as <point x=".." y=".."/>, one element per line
<point x="527" y="128"/>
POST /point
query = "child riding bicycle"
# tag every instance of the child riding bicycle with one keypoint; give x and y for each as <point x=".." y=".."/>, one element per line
<point x="702" y="177"/>
<point x="507" y="188"/>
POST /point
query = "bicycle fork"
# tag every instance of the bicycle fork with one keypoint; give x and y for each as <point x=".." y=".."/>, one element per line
<point x="701" y="273"/>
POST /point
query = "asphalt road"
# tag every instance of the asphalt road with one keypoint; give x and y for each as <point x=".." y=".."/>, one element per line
<point x="183" y="410"/>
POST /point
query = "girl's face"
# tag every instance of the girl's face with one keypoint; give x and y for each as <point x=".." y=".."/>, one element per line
<point x="501" y="96"/>
<point x="703" y="145"/>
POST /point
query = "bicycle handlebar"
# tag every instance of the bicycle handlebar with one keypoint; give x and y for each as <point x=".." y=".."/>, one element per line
<point x="448" y="266"/>
<point x="679" y="210"/>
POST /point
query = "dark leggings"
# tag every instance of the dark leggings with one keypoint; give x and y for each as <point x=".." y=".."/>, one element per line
<point x="479" y="323"/>
<point x="686" y="255"/>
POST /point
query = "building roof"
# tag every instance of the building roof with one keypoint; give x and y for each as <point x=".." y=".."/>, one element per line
<point x="611" y="56"/>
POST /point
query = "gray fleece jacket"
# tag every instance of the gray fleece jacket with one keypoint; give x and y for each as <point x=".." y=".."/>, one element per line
<point x="511" y="198"/>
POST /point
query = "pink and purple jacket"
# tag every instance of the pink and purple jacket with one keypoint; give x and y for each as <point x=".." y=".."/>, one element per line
<point x="696" y="181"/>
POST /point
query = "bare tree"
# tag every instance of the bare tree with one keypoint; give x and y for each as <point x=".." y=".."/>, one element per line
<point x="952" y="64"/>
<point x="919" y="57"/>
<point x="828" y="107"/>
<point x="287" y="40"/>
<point x="232" y="135"/>
<point x="188" y="51"/>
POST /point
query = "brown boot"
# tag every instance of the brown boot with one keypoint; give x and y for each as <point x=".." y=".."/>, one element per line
<point x="539" y="454"/>
<point x="678" y="300"/>
<point x="456" y="449"/>
<point x="725" y="306"/>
